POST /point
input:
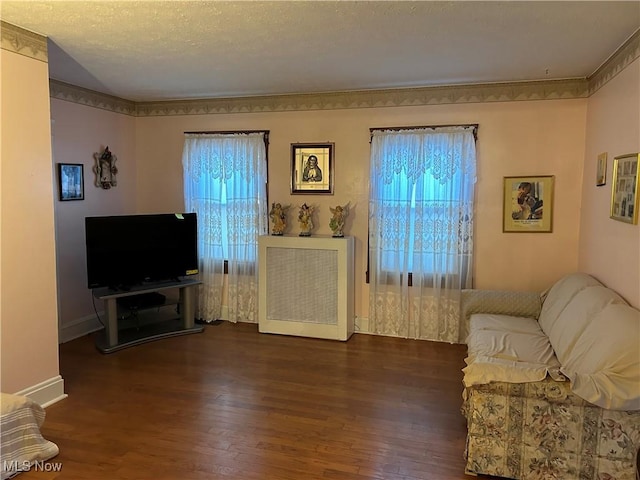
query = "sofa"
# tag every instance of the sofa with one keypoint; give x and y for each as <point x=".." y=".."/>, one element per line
<point x="552" y="382"/>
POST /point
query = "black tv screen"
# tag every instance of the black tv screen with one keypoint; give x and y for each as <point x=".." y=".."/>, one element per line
<point x="127" y="250"/>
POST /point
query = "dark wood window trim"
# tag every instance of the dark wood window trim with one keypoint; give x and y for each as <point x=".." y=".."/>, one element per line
<point x="424" y="127"/>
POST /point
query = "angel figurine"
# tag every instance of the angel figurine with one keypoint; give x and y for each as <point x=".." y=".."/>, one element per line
<point x="337" y="220"/>
<point x="278" y="216"/>
<point x="305" y="220"/>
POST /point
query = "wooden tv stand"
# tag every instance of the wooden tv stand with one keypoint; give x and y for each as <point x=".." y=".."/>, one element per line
<point x="114" y="338"/>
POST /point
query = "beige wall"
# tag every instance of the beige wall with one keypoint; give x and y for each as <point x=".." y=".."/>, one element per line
<point x="78" y="132"/>
<point x="609" y="249"/>
<point x="28" y="344"/>
<point x="515" y="138"/>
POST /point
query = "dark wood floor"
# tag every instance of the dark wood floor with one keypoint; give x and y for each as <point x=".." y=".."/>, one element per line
<point x="231" y="403"/>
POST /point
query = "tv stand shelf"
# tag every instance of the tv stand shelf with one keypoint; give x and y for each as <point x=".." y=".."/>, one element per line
<point x="145" y="297"/>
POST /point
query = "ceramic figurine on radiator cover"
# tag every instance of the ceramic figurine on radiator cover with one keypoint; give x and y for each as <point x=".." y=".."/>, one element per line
<point x="336" y="224"/>
<point x="305" y="220"/>
<point x="278" y="216"/>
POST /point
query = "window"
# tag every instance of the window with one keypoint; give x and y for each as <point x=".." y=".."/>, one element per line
<point x="225" y="177"/>
<point x="225" y="183"/>
<point x="421" y="202"/>
<point x="428" y="202"/>
<point x="420" y="230"/>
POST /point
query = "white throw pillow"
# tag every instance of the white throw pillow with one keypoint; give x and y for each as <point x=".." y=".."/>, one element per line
<point x="604" y="364"/>
<point x="577" y="316"/>
<point x="558" y="297"/>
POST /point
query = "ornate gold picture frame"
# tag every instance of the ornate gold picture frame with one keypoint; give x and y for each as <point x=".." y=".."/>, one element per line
<point x="624" y="188"/>
<point x="528" y="204"/>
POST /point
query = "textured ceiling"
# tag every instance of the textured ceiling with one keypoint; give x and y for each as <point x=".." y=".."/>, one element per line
<point x="153" y="50"/>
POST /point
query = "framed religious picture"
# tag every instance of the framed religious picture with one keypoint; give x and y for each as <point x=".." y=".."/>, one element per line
<point x="312" y="168"/>
<point x="624" y="188"/>
<point x="528" y="204"/>
<point x="71" y="181"/>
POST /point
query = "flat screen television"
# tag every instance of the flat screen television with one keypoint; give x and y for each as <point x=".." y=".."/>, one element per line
<point x="127" y="250"/>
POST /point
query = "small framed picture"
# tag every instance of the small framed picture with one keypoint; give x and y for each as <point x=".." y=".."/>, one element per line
<point x="601" y="170"/>
<point x="528" y="204"/>
<point x="71" y="181"/>
<point x="312" y="168"/>
<point x="624" y="189"/>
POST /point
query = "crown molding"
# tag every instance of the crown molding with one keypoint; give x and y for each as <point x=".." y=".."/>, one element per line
<point x="620" y="60"/>
<point x="21" y="41"/>
<point x="90" y="98"/>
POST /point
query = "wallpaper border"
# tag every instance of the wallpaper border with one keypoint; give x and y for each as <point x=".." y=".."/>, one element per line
<point x="23" y="42"/>
<point x="479" y="93"/>
<point x="620" y="60"/>
<point x="90" y="98"/>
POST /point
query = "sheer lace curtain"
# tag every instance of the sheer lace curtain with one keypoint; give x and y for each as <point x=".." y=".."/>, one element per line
<point x="420" y="230"/>
<point x="225" y="179"/>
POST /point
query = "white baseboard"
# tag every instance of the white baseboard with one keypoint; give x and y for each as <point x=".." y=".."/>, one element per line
<point x="79" y="328"/>
<point x="362" y="325"/>
<point x="46" y="393"/>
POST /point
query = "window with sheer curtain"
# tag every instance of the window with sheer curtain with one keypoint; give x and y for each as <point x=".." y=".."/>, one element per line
<point x="420" y="229"/>
<point x="225" y="178"/>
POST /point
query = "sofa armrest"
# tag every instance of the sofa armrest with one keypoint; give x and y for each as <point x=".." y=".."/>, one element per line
<point x="497" y="302"/>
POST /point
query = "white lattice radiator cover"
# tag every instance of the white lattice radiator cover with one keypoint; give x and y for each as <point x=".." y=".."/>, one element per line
<point x="306" y="286"/>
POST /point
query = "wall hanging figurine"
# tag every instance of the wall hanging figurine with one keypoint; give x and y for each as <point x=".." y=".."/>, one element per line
<point x="105" y="169"/>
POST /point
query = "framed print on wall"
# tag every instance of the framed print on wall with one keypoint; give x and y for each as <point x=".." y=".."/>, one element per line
<point x="312" y="168"/>
<point x="71" y="181"/>
<point x="624" y="188"/>
<point x="528" y="204"/>
<point x="601" y="170"/>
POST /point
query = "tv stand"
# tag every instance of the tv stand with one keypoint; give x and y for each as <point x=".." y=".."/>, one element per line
<point x="114" y="338"/>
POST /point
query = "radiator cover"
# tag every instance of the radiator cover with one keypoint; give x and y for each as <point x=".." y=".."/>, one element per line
<point x="306" y="286"/>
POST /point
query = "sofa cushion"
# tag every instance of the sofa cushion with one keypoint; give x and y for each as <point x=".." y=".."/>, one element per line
<point x="604" y="363"/>
<point x="577" y="315"/>
<point x="560" y="294"/>
<point x="511" y="323"/>
<point x="510" y="349"/>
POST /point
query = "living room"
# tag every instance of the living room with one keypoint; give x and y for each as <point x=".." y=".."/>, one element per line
<point x="549" y="128"/>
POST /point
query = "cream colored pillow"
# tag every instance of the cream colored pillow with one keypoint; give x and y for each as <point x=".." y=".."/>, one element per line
<point x="557" y="298"/>
<point x="577" y="316"/>
<point x="507" y="323"/>
<point x="519" y="347"/>
<point x="604" y="364"/>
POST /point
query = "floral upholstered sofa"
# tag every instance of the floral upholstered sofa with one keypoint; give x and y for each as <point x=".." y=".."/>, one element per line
<point x="552" y="383"/>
